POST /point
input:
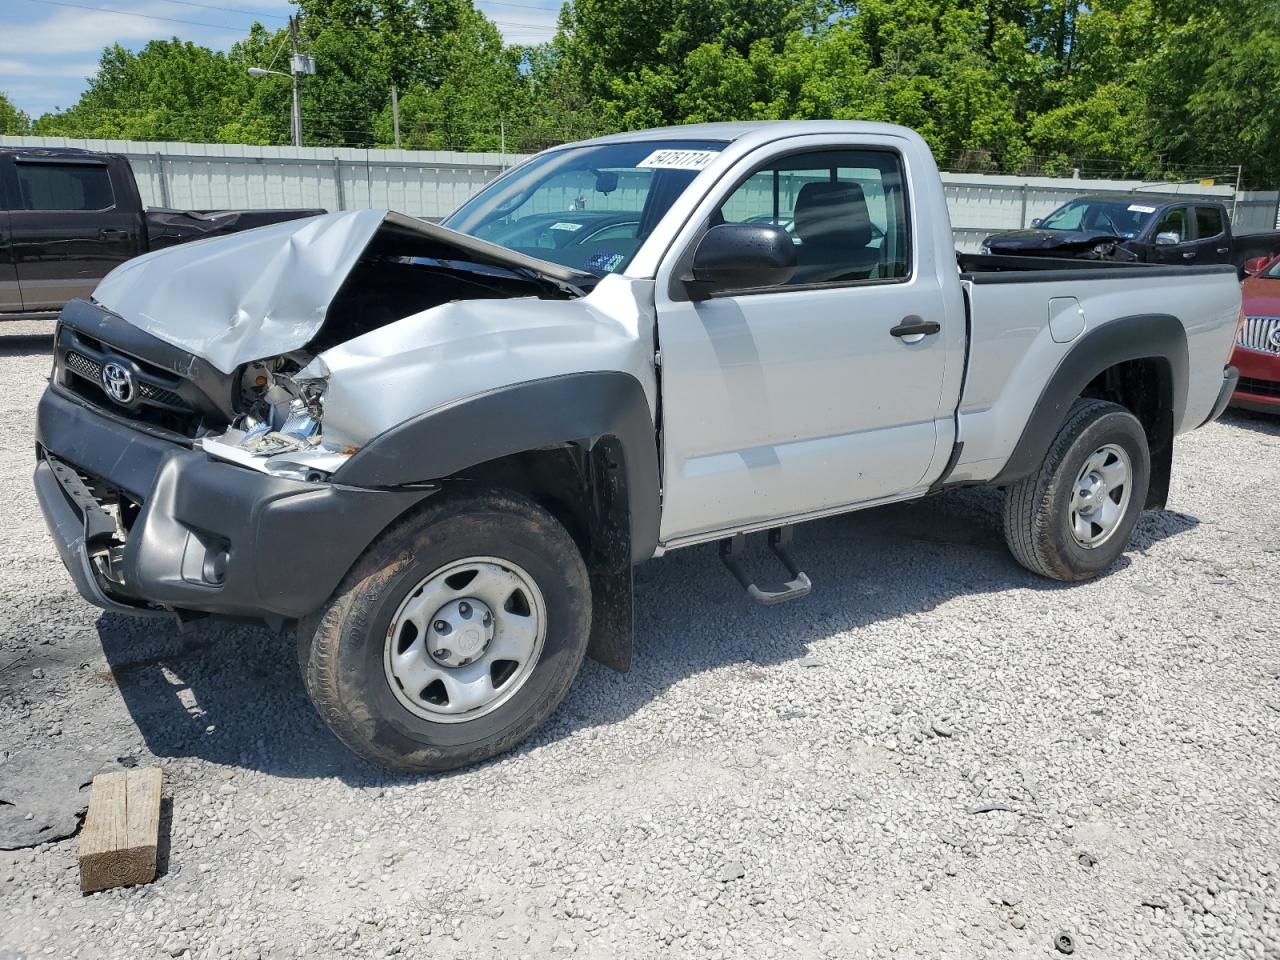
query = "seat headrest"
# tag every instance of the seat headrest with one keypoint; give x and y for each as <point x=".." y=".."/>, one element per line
<point x="829" y="213"/>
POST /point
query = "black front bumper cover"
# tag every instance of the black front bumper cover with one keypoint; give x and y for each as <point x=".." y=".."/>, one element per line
<point x="208" y="536"/>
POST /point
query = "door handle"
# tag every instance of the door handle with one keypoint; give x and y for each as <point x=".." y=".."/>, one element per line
<point x="1189" y="255"/>
<point x="913" y="329"/>
<point x="1224" y="249"/>
<point x="107" y="233"/>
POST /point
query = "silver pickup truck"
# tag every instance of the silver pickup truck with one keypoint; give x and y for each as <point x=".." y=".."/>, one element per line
<point x="437" y="452"/>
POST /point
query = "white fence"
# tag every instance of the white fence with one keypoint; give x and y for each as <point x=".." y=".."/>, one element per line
<point x="430" y="184"/>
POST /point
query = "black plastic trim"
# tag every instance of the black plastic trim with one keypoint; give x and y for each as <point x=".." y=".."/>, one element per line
<point x="1230" y="380"/>
<point x="957" y="448"/>
<point x="979" y="269"/>
<point x="289" y="543"/>
<point x="1127" y="338"/>
<point x="576" y="408"/>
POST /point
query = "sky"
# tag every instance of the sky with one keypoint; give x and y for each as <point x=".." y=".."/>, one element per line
<point x="49" y="47"/>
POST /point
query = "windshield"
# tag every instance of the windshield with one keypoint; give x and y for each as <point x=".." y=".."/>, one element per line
<point x="1121" y="218"/>
<point x="1272" y="272"/>
<point x="588" y="208"/>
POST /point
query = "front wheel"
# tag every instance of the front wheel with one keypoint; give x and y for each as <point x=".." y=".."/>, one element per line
<point x="1073" y="518"/>
<point x="454" y="637"/>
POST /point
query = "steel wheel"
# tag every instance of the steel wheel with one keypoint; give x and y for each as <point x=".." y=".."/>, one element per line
<point x="465" y="639"/>
<point x="1100" y="496"/>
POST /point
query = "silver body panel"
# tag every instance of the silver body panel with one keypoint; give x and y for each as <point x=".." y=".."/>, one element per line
<point x="771" y="407"/>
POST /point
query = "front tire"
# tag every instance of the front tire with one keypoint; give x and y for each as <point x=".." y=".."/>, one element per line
<point x="454" y="637"/>
<point x="1073" y="518"/>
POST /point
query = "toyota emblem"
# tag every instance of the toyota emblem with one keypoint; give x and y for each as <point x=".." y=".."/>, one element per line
<point x="118" y="382"/>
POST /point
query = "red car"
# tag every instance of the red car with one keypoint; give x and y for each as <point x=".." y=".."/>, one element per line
<point x="1257" y="353"/>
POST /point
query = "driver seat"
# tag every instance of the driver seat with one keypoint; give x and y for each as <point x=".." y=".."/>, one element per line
<point x="834" y="227"/>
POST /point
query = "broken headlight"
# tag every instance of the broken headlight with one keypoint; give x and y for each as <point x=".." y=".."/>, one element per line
<point x="280" y="433"/>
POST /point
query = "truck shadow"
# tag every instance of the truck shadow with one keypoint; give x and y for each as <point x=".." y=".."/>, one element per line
<point x="232" y="695"/>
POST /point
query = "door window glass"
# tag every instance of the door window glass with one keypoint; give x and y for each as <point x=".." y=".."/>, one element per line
<point x="1175" y="221"/>
<point x="845" y="211"/>
<point x="64" y="186"/>
<point x="1209" y="222"/>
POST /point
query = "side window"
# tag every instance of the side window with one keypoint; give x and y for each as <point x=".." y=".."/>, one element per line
<point x="1175" y="221"/>
<point x="1209" y="222"/>
<point x="64" y="186"/>
<point x="846" y="212"/>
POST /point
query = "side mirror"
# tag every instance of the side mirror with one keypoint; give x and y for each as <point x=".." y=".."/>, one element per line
<point x="735" y="256"/>
<point x="1036" y="222"/>
<point x="1168" y="239"/>
<point x="1256" y="265"/>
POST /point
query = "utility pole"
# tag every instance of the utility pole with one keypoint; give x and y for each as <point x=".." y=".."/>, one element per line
<point x="395" y="113"/>
<point x="294" y="61"/>
<point x="300" y="65"/>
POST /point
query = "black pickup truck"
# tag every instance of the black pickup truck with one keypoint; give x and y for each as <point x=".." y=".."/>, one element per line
<point x="1138" y="228"/>
<point x="69" y="217"/>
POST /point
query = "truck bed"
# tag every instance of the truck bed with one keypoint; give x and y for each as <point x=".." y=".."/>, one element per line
<point x="1026" y="314"/>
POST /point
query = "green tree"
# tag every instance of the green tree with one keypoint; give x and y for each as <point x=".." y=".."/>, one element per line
<point x="13" y="121"/>
<point x="169" y="90"/>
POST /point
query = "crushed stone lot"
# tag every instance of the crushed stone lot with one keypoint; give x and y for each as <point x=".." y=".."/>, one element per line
<point x="937" y="754"/>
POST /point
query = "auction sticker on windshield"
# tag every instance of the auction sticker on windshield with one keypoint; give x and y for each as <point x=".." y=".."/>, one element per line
<point x="1139" y="208"/>
<point x="678" y="159"/>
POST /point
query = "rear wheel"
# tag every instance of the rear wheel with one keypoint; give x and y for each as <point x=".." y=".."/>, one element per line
<point x="454" y="637"/>
<point x="1073" y="518"/>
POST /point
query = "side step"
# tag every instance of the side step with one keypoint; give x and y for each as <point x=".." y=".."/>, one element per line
<point x="731" y="551"/>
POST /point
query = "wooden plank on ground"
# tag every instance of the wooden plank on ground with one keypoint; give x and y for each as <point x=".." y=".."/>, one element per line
<point x="121" y="831"/>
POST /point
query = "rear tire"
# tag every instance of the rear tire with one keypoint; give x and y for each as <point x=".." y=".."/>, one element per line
<point x="453" y="638"/>
<point x="1072" y="518"/>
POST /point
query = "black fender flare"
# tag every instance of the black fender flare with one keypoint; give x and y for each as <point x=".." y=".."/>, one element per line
<point x="1137" y="337"/>
<point x="579" y="408"/>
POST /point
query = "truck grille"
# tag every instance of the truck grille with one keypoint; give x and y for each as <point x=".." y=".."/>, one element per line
<point x="1260" y="333"/>
<point x="157" y="401"/>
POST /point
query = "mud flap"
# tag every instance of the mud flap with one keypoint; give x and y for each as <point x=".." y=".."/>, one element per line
<point x="612" y="619"/>
<point x="612" y="581"/>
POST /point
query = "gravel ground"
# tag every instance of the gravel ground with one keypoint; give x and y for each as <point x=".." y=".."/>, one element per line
<point x="935" y="755"/>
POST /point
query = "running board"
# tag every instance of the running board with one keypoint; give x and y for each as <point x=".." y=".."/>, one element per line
<point x="731" y="551"/>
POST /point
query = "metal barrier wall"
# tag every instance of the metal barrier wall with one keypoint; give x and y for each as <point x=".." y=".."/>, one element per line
<point x="430" y="184"/>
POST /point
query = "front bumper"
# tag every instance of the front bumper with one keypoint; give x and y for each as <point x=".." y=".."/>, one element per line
<point x="203" y="536"/>
<point x="1259" y="387"/>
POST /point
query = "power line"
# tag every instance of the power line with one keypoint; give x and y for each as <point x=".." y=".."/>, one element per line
<point x="143" y="16"/>
<point x="237" y="10"/>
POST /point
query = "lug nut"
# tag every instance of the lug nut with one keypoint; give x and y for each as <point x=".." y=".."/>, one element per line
<point x="441" y="654"/>
<point x="464" y="608"/>
<point x="441" y="626"/>
<point x="488" y="619"/>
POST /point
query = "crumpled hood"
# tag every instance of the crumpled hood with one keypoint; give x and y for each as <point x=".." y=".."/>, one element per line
<point x="1048" y="239"/>
<point x="265" y="292"/>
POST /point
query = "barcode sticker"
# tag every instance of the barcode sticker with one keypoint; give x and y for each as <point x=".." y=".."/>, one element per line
<point x="677" y="159"/>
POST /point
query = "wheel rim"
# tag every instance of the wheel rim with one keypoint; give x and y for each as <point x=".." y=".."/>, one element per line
<point x="1100" y="497"/>
<point x="465" y="639"/>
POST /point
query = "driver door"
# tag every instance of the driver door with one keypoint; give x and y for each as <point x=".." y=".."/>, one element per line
<point x="793" y="400"/>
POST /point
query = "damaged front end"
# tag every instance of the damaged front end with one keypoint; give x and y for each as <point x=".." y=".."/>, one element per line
<point x="199" y="361"/>
<point x="254" y="312"/>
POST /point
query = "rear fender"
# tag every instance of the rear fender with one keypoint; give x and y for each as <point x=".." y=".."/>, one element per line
<point x="1137" y="337"/>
